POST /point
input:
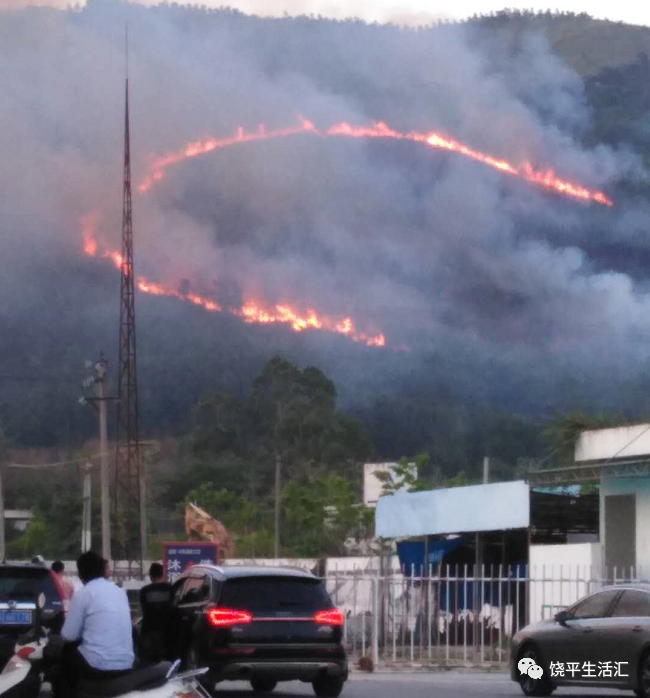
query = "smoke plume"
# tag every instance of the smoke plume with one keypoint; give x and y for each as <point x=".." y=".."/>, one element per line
<point x="435" y="251"/>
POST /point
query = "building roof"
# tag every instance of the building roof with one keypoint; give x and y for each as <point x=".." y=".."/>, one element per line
<point x="496" y="507"/>
<point x="625" y="442"/>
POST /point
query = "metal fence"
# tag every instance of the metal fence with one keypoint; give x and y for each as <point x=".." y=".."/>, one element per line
<point x="454" y="616"/>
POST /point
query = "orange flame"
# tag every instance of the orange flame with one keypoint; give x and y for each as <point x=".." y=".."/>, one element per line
<point x="251" y="311"/>
<point x="254" y="311"/>
<point x="88" y="225"/>
<point x="158" y="165"/>
<point x="92" y="248"/>
<point x="544" y="178"/>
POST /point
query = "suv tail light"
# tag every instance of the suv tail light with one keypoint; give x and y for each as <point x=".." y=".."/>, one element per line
<point x="224" y="617"/>
<point x="331" y="617"/>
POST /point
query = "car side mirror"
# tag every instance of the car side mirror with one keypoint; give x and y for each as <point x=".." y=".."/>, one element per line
<point x="562" y="617"/>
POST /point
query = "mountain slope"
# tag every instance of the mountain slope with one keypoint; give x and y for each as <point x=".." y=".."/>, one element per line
<point x="587" y="45"/>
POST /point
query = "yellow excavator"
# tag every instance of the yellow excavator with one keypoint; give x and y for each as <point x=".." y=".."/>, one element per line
<point x="199" y="525"/>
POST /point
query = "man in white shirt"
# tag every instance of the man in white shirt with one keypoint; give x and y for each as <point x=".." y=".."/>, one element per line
<point x="97" y="629"/>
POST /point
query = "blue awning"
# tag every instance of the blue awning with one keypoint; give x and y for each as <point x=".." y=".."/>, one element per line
<point x="411" y="554"/>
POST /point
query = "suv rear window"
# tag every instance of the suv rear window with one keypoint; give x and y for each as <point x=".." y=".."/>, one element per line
<point x="18" y="584"/>
<point x="275" y="593"/>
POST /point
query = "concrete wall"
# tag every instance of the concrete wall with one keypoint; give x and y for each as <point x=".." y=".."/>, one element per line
<point x="620" y="442"/>
<point x="560" y="575"/>
<point x="641" y="488"/>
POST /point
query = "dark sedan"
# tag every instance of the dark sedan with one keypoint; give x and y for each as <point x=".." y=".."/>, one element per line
<point x="601" y="641"/>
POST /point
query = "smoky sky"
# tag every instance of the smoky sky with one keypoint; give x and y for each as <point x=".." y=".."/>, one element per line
<point x="428" y="247"/>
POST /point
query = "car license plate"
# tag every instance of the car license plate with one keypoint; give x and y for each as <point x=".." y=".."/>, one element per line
<point x="15" y="617"/>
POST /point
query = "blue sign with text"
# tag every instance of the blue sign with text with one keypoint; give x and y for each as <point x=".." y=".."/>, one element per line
<point x="179" y="556"/>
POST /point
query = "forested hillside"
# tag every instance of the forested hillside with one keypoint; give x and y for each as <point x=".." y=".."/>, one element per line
<point x="505" y="304"/>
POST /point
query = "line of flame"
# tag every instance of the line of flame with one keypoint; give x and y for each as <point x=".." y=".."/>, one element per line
<point x="544" y="178"/>
<point x="251" y="311"/>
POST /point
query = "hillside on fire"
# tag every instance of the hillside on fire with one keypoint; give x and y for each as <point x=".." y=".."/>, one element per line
<point x="449" y="222"/>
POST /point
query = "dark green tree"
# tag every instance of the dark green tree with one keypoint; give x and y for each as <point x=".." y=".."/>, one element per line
<point x="404" y="477"/>
<point x="321" y="514"/>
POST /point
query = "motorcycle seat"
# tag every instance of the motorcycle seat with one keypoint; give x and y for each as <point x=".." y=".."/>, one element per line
<point x="140" y="678"/>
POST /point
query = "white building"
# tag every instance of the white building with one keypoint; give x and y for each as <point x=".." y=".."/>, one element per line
<point x="373" y="486"/>
<point x="621" y="457"/>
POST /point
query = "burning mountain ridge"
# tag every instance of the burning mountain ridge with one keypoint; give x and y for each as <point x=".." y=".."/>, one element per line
<point x="418" y="241"/>
<point x="544" y="178"/>
<point x="254" y="311"/>
<point x="251" y="311"/>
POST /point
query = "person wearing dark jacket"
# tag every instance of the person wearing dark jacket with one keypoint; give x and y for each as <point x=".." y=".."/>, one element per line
<point x="155" y="601"/>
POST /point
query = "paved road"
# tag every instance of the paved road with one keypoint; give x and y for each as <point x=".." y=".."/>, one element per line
<point x="446" y="684"/>
<point x="451" y="684"/>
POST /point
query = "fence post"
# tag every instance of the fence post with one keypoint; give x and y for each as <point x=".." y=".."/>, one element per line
<point x="375" y="630"/>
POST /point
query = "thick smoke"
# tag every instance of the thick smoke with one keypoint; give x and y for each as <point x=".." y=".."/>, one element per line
<point x="434" y="250"/>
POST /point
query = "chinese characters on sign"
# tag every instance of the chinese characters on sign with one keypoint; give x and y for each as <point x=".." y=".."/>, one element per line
<point x="179" y="556"/>
<point x="586" y="670"/>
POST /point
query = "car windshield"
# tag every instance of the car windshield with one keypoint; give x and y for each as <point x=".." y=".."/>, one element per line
<point x="275" y="594"/>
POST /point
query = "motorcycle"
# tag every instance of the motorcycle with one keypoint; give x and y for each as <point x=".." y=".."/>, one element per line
<point x="161" y="680"/>
<point x="23" y="674"/>
<point x="157" y="681"/>
<point x="13" y="677"/>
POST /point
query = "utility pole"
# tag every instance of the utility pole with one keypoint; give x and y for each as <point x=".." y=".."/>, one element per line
<point x="99" y="401"/>
<point x="143" y="516"/>
<point x="100" y="384"/>
<point x="278" y="471"/>
<point x="3" y="551"/>
<point x="86" y="528"/>
<point x="478" y="566"/>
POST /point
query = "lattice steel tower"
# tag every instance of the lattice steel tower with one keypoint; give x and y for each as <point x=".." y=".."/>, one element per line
<point x="130" y="519"/>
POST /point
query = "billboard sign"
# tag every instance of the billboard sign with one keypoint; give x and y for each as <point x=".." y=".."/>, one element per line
<point x="179" y="556"/>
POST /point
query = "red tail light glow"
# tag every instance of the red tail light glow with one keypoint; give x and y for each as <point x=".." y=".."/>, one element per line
<point x="224" y="617"/>
<point x="332" y="617"/>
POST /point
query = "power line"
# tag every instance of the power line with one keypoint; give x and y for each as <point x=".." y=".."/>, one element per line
<point x="45" y="466"/>
<point x="39" y="377"/>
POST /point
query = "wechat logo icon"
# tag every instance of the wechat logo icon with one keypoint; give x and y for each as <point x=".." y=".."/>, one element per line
<point x="527" y="666"/>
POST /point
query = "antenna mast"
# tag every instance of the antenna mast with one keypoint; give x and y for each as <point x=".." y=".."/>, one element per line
<point x="130" y="510"/>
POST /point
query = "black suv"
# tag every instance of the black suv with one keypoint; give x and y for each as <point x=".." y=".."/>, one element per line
<point x="20" y="587"/>
<point x="259" y="624"/>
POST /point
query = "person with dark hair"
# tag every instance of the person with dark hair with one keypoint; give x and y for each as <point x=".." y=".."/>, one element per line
<point x="97" y="630"/>
<point x="155" y="601"/>
<point x="66" y="584"/>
